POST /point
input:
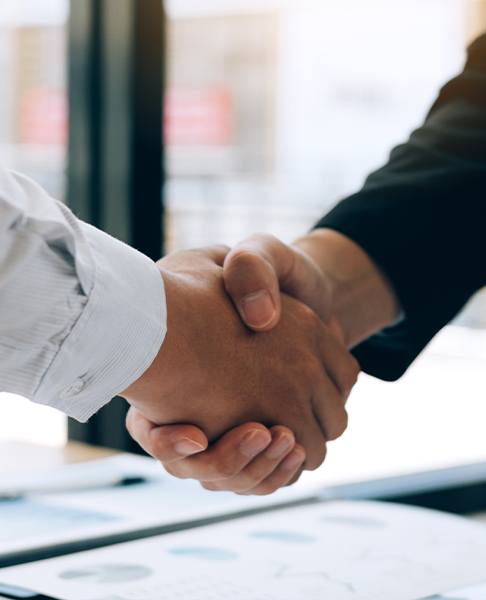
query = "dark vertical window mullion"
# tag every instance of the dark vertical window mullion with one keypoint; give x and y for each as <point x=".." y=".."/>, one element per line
<point x="115" y="168"/>
<point x="147" y="141"/>
<point x="84" y="90"/>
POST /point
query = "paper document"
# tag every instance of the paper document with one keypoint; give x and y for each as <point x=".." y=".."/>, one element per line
<point x="332" y="551"/>
<point x="46" y="520"/>
<point x="477" y="592"/>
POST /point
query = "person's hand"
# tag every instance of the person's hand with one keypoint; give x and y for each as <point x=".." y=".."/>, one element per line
<point x="249" y="459"/>
<point x="325" y="270"/>
<point x="213" y="372"/>
<point x="260" y="268"/>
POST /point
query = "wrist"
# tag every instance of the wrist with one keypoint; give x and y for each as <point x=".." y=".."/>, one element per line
<point x="140" y="393"/>
<point x="361" y="300"/>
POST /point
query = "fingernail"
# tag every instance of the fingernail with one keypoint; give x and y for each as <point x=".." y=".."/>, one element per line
<point x="293" y="461"/>
<point x="254" y="442"/>
<point x="186" y="447"/>
<point x="280" y="447"/>
<point x="258" y="308"/>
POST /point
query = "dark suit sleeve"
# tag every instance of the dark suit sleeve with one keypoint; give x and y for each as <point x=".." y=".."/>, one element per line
<point x="422" y="218"/>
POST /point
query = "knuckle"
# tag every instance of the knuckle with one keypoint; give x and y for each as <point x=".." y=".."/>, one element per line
<point x="351" y="374"/>
<point x="172" y="469"/>
<point x="185" y="468"/>
<point x="282" y="430"/>
<point x="338" y="426"/>
<point x="316" y="457"/>
<point x="223" y="248"/>
<point x="203" y="250"/>
<point x="253" y="478"/>
<point x="243" y="486"/>
<point x="265" y="488"/>
<point x="262" y="241"/>
<point x="226" y="470"/>
<point x="212" y="486"/>
<point x="355" y="367"/>
<point x="207" y="485"/>
<point x="295" y="478"/>
<point x="248" y="479"/>
<point x="266" y="238"/>
<point x="243" y="259"/>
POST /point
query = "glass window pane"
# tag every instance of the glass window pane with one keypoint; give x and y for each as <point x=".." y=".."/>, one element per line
<point x="33" y="130"/>
<point x="276" y="110"/>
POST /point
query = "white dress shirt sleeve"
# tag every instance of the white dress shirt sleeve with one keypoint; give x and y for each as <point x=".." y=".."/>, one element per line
<point x="82" y="315"/>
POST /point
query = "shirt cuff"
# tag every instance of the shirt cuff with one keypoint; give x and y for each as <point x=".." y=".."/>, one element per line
<point x="117" y="336"/>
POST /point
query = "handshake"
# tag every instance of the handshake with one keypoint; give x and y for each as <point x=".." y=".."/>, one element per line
<point x="252" y="379"/>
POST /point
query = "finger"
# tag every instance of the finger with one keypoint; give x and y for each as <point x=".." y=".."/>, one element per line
<point x="286" y="473"/>
<point x="329" y="408"/>
<point x="295" y="478"/>
<point x="260" y="468"/>
<point x="165" y="443"/>
<point x="216" y="253"/>
<point x="257" y="269"/>
<point x="340" y="364"/>
<point x="225" y="458"/>
<point x="314" y="443"/>
<point x="309" y="433"/>
<point x="251" y="277"/>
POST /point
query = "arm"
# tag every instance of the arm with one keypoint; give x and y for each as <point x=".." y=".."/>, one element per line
<point x="74" y="328"/>
<point x="213" y="372"/>
<point x="400" y="257"/>
<point x="78" y="306"/>
<point x="83" y="318"/>
<point x="421" y="220"/>
<point x="360" y="298"/>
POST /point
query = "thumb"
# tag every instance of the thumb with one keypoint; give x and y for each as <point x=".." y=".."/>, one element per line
<point x="258" y="269"/>
<point x="253" y="274"/>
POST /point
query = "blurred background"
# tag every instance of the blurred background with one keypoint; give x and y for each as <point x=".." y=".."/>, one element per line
<point x="273" y="111"/>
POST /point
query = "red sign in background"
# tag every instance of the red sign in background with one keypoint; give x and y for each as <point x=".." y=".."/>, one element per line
<point x="199" y="116"/>
<point x="44" y="116"/>
<point x="195" y="116"/>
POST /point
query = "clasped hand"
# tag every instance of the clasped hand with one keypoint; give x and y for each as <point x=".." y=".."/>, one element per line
<point x="252" y="379"/>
